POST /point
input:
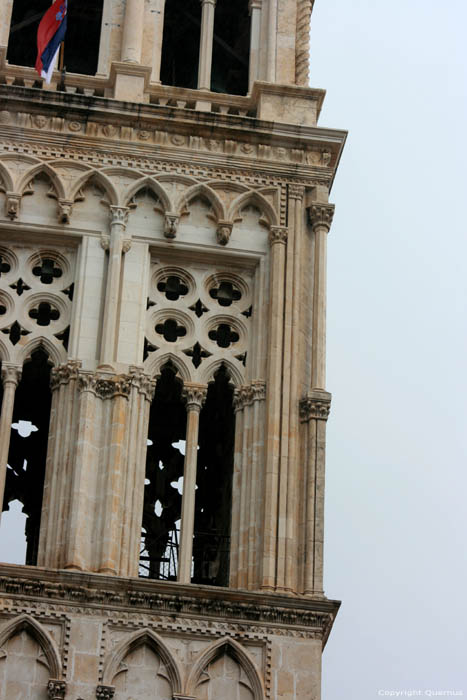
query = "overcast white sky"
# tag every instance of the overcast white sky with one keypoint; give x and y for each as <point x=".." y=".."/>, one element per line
<point x="396" y="519"/>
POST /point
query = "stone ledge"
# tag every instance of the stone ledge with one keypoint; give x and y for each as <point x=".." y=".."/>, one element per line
<point x="168" y="598"/>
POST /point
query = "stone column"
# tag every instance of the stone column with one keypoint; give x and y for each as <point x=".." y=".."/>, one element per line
<point x="206" y="43"/>
<point x="132" y="41"/>
<point x="278" y="240"/>
<point x="272" y="41"/>
<point x="255" y="40"/>
<point x="321" y="219"/>
<point x="116" y="246"/>
<point x="11" y="376"/>
<point x="314" y="411"/>
<point x="195" y="395"/>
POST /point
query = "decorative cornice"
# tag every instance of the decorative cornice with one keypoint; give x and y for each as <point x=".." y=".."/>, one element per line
<point x="321" y="215"/>
<point x="90" y="593"/>
<point x="64" y="374"/>
<point x="278" y="234"/>
<point x="11" y="374"/>
<point x="105" y="692"/>
<point x="194" y="396"/>
<point x="56" y="689"/>
<point x="315" y="406"/>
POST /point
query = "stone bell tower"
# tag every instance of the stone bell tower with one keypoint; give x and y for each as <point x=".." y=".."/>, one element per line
<point x="163" y="223"/>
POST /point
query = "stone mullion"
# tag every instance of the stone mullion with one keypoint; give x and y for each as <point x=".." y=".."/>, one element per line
<point x="282" y="527"/>
<point x="132" y="40"/>
<point x="206" y="44"/>
<point x="86" y="466"/>
<point x="119" y="217"/>
<point x="11" y="376"/>
<point x="278" y="238"/>
<point x="255" y="505"/>
<point x="255" y="40"/>
<point x="272" y="41"/>
<point x="195" y="395"/>
<point x="114" y="486"/>
<point x="236" y="487"/>
<point x="245" y="486"/>
<point x="296" y="194"/>
<point x="158" y="42"/>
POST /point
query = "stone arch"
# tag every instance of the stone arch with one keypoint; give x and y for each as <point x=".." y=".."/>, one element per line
<point x="157" y="644"/>
<point x="42" y="168"/>
<point x="150" y="184"/>
<point x="4" y="352"/>
<point x="100" y="179"/>
<point x="238" y="653"/>
<point x="56" y="353"/>
<point x="155" y="365"/>
<point x="209" y="369"/>
<point x="40" y="635"/>
<point x="203" y="191"/>
<point x="256" y="200"/>
<point x="6" y="178"/>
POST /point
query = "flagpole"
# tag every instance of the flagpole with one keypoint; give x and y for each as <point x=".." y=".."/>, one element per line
<point x="61" y="67"/>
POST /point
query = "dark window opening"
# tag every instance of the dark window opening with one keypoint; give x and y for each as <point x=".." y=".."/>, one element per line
<point x="28" y="447"/>
<point x="231" y="50"/>
<point x="211" y="544"/>
<point x="164" y="482"/>
<point x="164" y="468"/>
<point x="181" y="40"/>
<point x="84" y="20"/>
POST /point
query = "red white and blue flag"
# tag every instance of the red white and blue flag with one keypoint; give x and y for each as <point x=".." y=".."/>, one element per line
<point x="50" y="34"/>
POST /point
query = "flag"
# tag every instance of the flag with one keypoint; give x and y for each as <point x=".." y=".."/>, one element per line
<point x="50" y="34"/>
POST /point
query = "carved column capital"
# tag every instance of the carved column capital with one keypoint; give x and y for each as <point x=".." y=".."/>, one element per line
<point x="278" y="234"/>
<point x="11" y="374"/>
<point x="105" y="387"/>
<point x="119" y="215"/>
<point x="105" y="692"/>
<point x="56" y="689"/>
<point x="296" y="192"/>
<point x="208" y="2"/>
<point x="321" y="215"/>
<point x="64" y="374"/>
<point x="254" y="5"/>
<point x="258" y="388"/>
<point x="316" y="405"/>
<point x="194" y="396"/>
<point x="243" y="396"/>
<point x="143" y="382"/>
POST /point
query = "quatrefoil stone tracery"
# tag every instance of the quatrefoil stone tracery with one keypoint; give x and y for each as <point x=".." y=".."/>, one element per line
<point x="47" y="271"/>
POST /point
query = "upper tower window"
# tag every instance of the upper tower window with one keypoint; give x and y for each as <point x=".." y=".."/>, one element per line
<point x="231" y="47"/>
<point x="180" y="48"/>
<point x="84" y="20"/>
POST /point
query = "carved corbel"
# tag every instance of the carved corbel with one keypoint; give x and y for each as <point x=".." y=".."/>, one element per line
<point x="171" y="224"/>
<point x="56" y="689"/>
<point x="105" y="692"/>
<point x="65" y="208"/>
<point x="224" y="231"/>
<point x="12" y="205"/>
<point x="315" y="406"/>
<point x="126" y="245"/>
<point x="105" y="241"/>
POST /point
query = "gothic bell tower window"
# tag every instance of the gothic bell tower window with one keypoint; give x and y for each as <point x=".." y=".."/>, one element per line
<point x="84" y="20"/>
<point x="180" y="47"/>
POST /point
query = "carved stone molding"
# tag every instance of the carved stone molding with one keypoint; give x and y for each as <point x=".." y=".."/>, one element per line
<point x="65" y="209"/>
<point x="143" y="382"/>
<point x="194" y="396"/>
<point x="296" y="192"/>
<point x="278" y="234"/>
<point x="64" y="374"/>
<point x="321" y="215"/>
<point x="11" y="374"/>
<point x="56" y="689"/>
<point x="105" y="387"/>
<point x="105" y="692"/>
<point x="316" y="405"/>
<point x="224" y="231"/>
